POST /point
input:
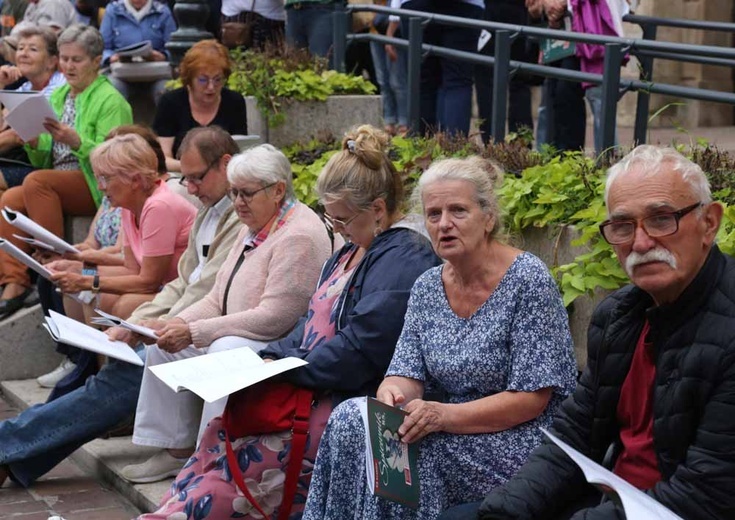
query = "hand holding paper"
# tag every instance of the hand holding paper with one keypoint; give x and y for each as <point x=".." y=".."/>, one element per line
<point x="27" y="112"/>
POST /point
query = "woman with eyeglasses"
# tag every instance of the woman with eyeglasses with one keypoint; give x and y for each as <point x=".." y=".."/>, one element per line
<point x="155" y="224"/>
<point x="347" y="336"/>
<point x="261" y="291"/>
<point x="88" y="107"/>
<point x="202" y="101"/>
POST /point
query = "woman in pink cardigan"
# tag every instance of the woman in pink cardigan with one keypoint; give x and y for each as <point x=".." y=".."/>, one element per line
<point x="262" y="290"/>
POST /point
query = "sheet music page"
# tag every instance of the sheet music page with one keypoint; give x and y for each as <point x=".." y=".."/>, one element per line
<point x="37" y="231"/>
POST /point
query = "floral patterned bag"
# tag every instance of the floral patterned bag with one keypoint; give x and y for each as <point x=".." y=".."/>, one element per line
<point x="269" y="407"/>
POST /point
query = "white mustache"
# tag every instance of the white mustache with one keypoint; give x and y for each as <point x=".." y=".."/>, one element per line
<point x="654" y="255"/>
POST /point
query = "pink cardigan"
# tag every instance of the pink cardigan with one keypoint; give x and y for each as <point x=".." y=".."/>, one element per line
<point x="272" y="288"/>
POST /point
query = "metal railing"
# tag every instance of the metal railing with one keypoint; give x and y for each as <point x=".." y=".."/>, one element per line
<point x="613" y="86"/>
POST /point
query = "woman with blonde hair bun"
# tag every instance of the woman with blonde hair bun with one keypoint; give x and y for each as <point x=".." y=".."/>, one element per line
<point x="488" y="334"/>
<point x="347" y="336"/>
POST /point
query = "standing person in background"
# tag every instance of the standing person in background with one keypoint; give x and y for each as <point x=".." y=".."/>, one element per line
<point x="131" y="21"/>
<point x="11" y="13"/>
<point x="309" y="24"/>
<point x="391" y="69"/>
<point x="519" y="91"/>
<point x="268" y="19"/>
<point x="446" y="84"/>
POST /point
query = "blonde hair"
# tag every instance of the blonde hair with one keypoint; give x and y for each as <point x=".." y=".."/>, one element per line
<point x="484" y="175"/>
<point x="125" y="156"/>
<point x="362" y="172"/>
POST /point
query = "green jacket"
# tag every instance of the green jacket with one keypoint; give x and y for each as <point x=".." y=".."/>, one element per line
<point x="100" y="108"/>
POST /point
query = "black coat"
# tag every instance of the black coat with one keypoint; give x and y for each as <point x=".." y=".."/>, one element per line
<point x="693" y="405"/>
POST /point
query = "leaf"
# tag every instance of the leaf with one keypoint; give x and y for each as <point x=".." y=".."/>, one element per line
<point x="203" y="507"/>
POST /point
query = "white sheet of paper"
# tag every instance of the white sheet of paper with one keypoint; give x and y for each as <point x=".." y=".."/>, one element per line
<point x="369" y="467"/>
<point x="13" y="98"/>
<point x="636" y="503"/>
<point x="114" y="321"/>
<point x="83" y="336"/>
<point x="35" y="243"/>
<point x="37" y="231"/>
<point x="25" y="258"/>
<point x="28" y="113"/>
<point x="485" y="37"/>
<point x="217" y="375"/>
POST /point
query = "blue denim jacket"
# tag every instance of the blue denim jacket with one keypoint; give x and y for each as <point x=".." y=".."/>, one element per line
<point x="119" y="28"/>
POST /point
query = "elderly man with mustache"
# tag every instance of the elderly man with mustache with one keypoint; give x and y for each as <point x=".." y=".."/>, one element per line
<point x="657" y="399"/>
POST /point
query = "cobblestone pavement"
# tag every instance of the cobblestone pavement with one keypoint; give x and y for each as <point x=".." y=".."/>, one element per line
<point x="66" y="491"/>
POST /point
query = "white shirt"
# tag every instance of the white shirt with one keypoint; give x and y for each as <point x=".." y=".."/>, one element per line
<point x="271" y="9"/>
<point x="206" y="234"/>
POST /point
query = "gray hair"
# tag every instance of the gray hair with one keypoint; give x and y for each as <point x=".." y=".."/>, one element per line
<point x="45" y="33"/>
<point x="86" y="36"/>
<point x="483" y="174"/>
<point x="264" y="163"/>
<point x="656" y="160"/>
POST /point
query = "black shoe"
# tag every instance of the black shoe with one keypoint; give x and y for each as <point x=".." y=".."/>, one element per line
<point x="9" y="306"/>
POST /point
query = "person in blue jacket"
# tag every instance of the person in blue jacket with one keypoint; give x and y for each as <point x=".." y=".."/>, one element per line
<point x="127" y="22"/>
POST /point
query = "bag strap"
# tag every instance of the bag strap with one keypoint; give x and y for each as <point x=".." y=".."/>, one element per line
<point x="240" y="260"/>
<point x="300" y="431"/>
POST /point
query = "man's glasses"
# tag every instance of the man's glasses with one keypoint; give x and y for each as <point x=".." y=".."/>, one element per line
<point x="338" y="222"/>
<point x="198" y="178"/>
<point x="216" y="81"/>
<point x="246" y="195"/>
<point x="617" y="232"/>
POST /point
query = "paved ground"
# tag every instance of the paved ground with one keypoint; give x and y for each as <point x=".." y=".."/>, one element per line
<point x="65" y="491"/>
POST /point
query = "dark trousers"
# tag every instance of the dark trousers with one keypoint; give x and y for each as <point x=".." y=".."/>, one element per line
<point x="446" y="84"/>
<point x="519" y="91"/>
<point x="569" y="109"/>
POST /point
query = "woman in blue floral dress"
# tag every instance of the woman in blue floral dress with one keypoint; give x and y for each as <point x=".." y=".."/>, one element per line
<point x="487" y="332"/>
<point x="347" y="336"/>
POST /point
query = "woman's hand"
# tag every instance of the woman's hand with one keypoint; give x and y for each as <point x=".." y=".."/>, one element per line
<point x="91" y="256"/>
<point x="391" y="395"/>
<point x="156" y="56"/>
<point x="424" y="417"/>
<point x="390" y="51"/>
<point x="70" y="282"/>
<point x="114" y="58"/>
<point x="62" y="133"/>
<point x="61" y="266"/>
<point x="174" y="336"/>
<point x="9" y="74"/>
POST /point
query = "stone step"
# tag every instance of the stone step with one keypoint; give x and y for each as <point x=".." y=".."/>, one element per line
<point x="26" y="349"/>
<point x="102" y="458"/>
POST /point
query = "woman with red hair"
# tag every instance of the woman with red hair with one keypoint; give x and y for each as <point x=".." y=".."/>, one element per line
<point x="202" y="101"/>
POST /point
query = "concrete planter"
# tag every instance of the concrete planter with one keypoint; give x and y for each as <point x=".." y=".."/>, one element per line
<point x="305" y="120"/>
<point x="554" y="246"/>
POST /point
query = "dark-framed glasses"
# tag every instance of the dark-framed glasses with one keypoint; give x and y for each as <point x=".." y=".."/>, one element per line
<point x="338" y="222"/>
<point x="617" y="232"/>
<point x="198" y="178"/>
<point x="246" y="195"/>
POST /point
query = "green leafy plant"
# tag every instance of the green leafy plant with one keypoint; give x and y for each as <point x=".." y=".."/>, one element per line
<point x="278" y="76"/>
<point x="543" y="190"/>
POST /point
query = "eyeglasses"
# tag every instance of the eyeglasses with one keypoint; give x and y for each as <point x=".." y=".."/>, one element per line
<point x="342" y="223"/>
<point x="216" y="81"/>
<point x="246" y="196"/>
<point x="617" y="232"/>
<point x="104" y="180"/>
<point x="198" y="178"/>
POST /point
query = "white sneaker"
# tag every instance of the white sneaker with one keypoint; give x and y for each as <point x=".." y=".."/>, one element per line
<point x="57" y="374"/>
<point x="160" y="466"/>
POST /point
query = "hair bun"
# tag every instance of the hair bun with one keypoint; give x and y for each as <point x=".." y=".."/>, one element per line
<point x="368" y="144"/>
<point x="493" y="170"/>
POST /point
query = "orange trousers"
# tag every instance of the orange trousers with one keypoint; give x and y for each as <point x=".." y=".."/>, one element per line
<point x="45" y="196"/>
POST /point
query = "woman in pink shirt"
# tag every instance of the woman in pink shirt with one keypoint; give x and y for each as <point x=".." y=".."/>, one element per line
<point x="155" y="222"/>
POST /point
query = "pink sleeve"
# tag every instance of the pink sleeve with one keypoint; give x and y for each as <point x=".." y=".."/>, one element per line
<point x="159" y="229"/>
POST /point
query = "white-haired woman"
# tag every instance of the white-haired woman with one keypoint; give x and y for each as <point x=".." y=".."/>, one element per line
<point x="488" y="333"/>
<point x="262" y="290"/>
<point x="88" y="107"/>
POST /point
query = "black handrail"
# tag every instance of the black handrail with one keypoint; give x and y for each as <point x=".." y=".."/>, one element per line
<point x="646" y="49"/>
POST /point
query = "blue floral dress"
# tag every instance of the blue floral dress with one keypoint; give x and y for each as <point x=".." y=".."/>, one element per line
<point x="517" y="340"/>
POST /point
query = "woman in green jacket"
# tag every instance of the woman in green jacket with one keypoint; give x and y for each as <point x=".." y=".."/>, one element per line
<point x="88" y="107"/>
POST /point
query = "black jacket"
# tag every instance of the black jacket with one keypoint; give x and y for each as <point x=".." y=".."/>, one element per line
<point x="693" y="408"/>
<point x="370" y="316"/>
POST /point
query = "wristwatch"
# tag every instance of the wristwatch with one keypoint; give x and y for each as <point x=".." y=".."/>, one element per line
<point x="96" y="283"/>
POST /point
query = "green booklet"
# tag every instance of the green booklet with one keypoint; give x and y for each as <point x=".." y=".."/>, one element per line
<point x="554" y="50"/>
<point x="391" y="464"/>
